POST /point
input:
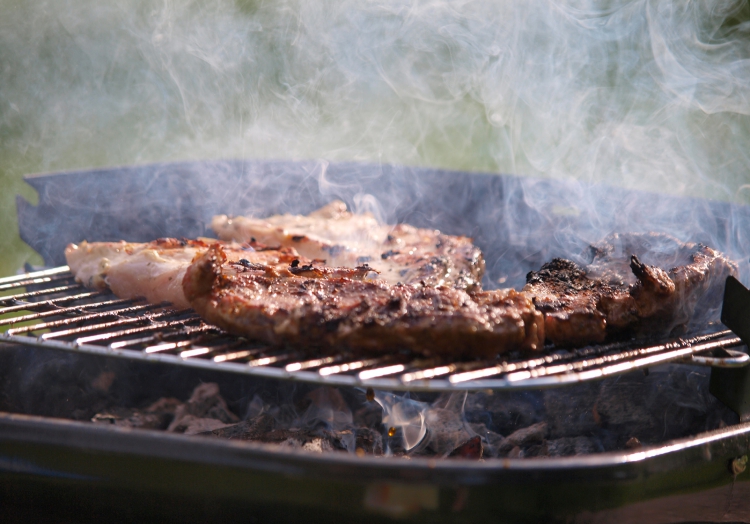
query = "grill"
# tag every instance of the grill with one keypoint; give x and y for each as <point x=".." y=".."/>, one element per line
<point x="61" y="314"/>
<point x="153" y="473"/>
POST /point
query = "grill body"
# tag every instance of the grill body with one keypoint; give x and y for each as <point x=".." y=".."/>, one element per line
<point x="126" y="474"/>
<point x="519" y="223"/>
<point x="93" y="470"/>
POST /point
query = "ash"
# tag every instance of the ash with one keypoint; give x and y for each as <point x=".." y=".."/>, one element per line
<point x="625" y="412"/>
<point x="628" y="411"/>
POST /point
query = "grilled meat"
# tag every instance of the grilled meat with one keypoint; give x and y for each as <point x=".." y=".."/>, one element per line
<point x="350" y="308"/>
<point x="639" y="284"/>
<point x="400" y="253"/>
<point x="155" y="270"/>
<point x="635" y="284"/>
<point x="299" y="301"/>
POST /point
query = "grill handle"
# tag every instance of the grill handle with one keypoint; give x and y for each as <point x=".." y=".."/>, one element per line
<point x="731" y="385"/>
<point x="731" y="358"/>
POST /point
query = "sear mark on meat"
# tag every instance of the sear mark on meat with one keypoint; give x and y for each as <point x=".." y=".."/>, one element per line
<point x="346" y="308"/>
<point x="635" y="284"/>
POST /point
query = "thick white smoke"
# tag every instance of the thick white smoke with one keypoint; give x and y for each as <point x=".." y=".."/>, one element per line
<point x="646" y="94"/>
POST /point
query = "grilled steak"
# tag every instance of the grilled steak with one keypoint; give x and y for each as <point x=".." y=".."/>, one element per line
<point x="637" y="284"/>
<point x="306" y="305"/>
<point x="155" y="270"/>
<point x="400" y="253"/>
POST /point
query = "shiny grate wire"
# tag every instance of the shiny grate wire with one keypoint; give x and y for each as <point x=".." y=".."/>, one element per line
<point x="49" y="309"/>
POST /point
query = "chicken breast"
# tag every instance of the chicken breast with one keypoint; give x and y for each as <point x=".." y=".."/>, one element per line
<point x="401" y="253"/>
<point x="311" y="306"/>
<point x="155" y="270"/>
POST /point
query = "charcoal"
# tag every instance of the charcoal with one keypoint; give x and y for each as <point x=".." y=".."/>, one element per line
<point x="617" y="413"/>
<point x="51" y="384"/>
<point x="158" y="415"/>
<point x="533" y="434"/>
<point x="471" y="449"/>
<point x="369" y="441"/>
<point x="327" y="408"/>
<point x="264" y="428"/>
<point x="280" y="436"/>
<point x="446" y="430"/>
<point x="165" y="405"/>
<point x="369" y="416"/>
<point x="633" y="443"/>
<point x="567" y="446"/>
<point x="674" y="403"/>
<point x="192" y="425"/>
<point x="536" y="450"/>
<point x="257" y="428"/>
<point x="570" y="411"/>
<point x="133" y="418"/>
<point x="313" y="444"/>
<point x="205" y="411"/>
<point x="505" y="413"/>
<point x="490" y="439"/>
<point x="670" y="402"/>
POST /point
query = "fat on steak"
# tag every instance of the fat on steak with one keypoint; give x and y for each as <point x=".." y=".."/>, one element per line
<point x="635" y="284"/>
<point x="308" y="306"/>
<point x="154" y="270"/>
<point x="400" y="253"/>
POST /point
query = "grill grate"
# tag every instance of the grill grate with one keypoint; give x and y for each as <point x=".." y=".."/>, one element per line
<point x="49" y="309"/>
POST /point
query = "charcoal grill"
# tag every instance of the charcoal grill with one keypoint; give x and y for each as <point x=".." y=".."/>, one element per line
<point x="48" y="309"/>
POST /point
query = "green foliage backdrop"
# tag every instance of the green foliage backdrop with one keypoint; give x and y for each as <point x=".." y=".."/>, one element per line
<point x="641" y="94"/>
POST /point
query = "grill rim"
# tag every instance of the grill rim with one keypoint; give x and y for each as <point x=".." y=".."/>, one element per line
<point x="47" y="450"/>
<point x="473" y="380"/>
<point x="47" y="430"/>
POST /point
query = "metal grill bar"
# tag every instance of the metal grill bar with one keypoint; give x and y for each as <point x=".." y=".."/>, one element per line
<point x="86" y="317"/>
<point x="30" y="306"/>
<point x="53" y="312"/>
<point x="185" y="330"/>
<point x="43" y="278"/>
<point x="99" y="323"/>
<point x="62" y="289"/>
<point x="351" y="366"/>
<point x="536" y="368"/>
<point x="237" y="355"/>
<point x="64" y="270"/>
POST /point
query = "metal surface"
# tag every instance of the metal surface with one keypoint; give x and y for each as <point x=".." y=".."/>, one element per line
<point x="519" y="223"/>
<point x="56" y="312"/>
<point x="735" y="311"/>
<point x="730" y="359"/>
<point x="732" y="386"/>
<point x="212" y="472"/>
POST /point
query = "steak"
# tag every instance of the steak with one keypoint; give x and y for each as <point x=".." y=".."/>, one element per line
<point x="634" y="284"/>
<point x="339" y="238"/>
<point x="308" y="305"/>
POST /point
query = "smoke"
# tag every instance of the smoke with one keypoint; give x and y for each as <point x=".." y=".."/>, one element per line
<point x="640" y="94"/>
<point x="644" y="94"/>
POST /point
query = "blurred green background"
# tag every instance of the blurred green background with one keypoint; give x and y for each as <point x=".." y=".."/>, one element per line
<point x="650" y="95"/>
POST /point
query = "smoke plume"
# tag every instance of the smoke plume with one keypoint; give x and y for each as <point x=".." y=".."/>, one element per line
<point x="642" y="94"/>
